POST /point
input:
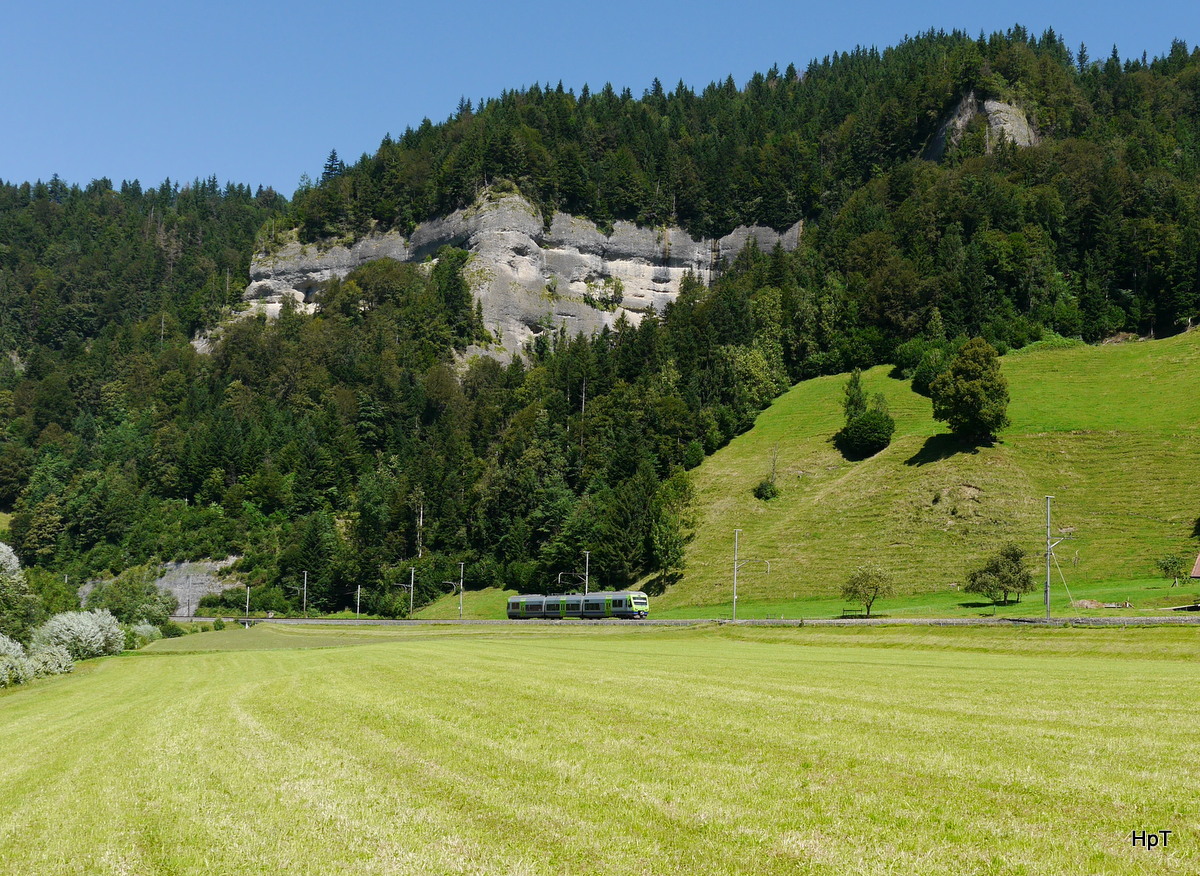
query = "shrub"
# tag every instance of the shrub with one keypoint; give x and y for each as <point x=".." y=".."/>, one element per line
<point x="766" y="490"/>
<point x="83" y="634"/>
<point x="933" y="362"/>
<point x="693" y="454"/>
<point x="171" y="630"/>
<point x="866" y="434"/>
<point x="140" y="635"/>
<point x="53" y="660"/>
<point x="218" y="623"/>
<point x="14" y="670"/>
<point x="11" y="647"/>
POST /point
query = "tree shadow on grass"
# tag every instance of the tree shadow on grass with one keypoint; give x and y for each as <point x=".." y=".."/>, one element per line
<point x="658" y="585"/>
<point x="975" y="605"/>
<point x="943" y="446"/>
<point x="1196" y="529"/>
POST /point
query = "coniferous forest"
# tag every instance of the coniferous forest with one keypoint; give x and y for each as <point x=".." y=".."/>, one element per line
<point x="357" y="442"/>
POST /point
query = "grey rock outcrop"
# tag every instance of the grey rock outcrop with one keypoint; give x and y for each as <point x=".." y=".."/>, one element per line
<point x="189" y="581"/>
<point x="1005" y="123"/>
<point x="527" y="279"/>
<point x="1009" y="122"/>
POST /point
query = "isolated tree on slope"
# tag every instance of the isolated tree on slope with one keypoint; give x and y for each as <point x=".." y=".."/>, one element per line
<point x="971" y="396"/>
<point x="867" y="430"/>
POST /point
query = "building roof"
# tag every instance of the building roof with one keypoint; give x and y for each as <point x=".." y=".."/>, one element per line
<point x="1196" y="568"/>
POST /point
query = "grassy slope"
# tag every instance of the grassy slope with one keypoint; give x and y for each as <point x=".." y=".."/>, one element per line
<point x="704" y="751"/>
<point x="477" y="604"/>
<point x="1112" y="432"/>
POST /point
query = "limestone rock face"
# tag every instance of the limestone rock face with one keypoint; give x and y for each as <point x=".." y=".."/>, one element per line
<point x="527" y="279"/>
<point x="1005" y="122"/>
<point x="296" y="271"/>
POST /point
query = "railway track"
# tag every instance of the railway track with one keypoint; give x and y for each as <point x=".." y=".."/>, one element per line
<point x="775" y="622"/>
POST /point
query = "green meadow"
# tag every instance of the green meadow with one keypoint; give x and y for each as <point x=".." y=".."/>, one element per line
<point x="609" y="750"/>
<point x="1112" y="432"/>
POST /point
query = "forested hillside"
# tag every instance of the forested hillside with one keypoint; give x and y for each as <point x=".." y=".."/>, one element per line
<point x="1093" y="232"/>
<point x="355" y="442"/>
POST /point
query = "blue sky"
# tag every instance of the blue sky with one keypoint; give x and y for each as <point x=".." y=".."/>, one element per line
<point x="259" y="92"/>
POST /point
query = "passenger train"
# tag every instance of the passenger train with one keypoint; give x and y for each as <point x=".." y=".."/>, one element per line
<point x="629" y="604"/>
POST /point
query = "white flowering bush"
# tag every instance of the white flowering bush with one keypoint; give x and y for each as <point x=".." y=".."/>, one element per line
<point x="11" y="647"/>
<point x="52" y="660"/>
<point x="17" y="667"/>
<point x="10" y="566"/>
<point x="140" y="635"/>
<point x="14" y="670"/>
<point x="83" y="634"/>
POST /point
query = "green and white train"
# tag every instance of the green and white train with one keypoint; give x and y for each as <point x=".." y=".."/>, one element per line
<point x="629" y="604"/>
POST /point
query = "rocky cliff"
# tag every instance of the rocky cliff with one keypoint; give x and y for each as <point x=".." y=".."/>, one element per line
<point x="528" y="279"/>
<point x="1004" y="121"/>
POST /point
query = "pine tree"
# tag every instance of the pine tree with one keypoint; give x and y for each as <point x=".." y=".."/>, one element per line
<point x="334" y="166"/>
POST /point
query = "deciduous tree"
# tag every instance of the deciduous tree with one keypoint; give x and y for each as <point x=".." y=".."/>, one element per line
<point x="867" y="584"/>
<point x="1004" y="573"/>
<point x="971" y="396"/>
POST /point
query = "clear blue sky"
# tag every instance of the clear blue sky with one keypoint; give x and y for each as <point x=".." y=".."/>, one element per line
<point x="259" y="92"/>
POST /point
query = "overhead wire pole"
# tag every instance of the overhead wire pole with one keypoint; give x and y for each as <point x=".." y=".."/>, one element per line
<point x="1049" y="549"/>
<point x="1050" y="546"/>
<point x="737" y="565"/>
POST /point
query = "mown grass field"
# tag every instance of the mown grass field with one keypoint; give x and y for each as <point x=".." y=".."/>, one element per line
<point x="699" y="750"/>
<point x="1112" y="432"/>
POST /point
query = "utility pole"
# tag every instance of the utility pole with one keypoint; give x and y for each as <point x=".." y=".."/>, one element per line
<point x="738" y="565"/>
<point x="587" y="568"/>
<point x="461" y="567"/>
<point x="305" y="603"/>
<point x="247" y="602"/>
<point x="1051" y="544"/>
<point x="358" y="601"/>
<point x="736" y="533"/>
<point x="1049" y="553"/>
<point x="412" y="583"/>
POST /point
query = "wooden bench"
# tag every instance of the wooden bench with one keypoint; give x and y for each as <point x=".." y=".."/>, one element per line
<point x="854" y="612"/>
